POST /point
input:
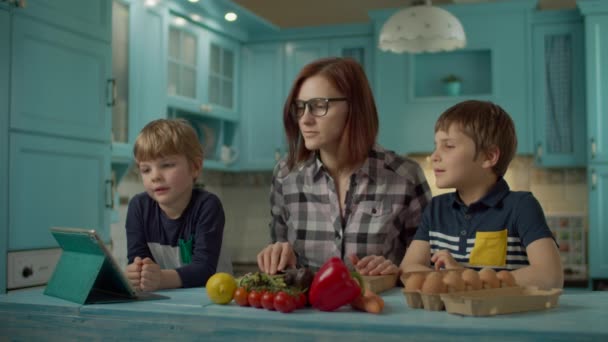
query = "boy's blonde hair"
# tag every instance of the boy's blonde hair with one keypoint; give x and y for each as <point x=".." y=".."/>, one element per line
<point x="164" y="137"/>
<point x="488" y="125"/>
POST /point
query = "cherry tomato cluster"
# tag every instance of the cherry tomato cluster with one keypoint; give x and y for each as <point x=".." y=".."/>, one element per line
<point x="280" y="301"/>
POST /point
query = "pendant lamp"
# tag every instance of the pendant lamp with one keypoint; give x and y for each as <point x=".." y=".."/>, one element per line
<point x="422" y="28"/>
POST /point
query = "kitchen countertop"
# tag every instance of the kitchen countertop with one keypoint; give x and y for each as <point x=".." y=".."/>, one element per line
<point x="188" y="314"/>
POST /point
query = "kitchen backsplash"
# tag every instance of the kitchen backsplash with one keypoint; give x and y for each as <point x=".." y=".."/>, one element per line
<point x="245" y="197"/>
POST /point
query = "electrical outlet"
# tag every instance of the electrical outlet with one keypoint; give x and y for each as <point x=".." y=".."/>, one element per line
<point x="31" y="268"/>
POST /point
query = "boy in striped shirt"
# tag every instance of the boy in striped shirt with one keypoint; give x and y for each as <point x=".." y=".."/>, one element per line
<point x="483" y="223"/>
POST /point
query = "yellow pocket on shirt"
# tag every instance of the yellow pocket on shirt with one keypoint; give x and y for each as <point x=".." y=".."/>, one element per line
<point x="490" y="249"/>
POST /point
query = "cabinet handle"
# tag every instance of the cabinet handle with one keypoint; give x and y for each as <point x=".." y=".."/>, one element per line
<point x="539" y="152"/>
<point x="109" y="193"/>
<point x="593" y="148"/>
<point x="593" y="179"/>
<point x="111" y="92"/>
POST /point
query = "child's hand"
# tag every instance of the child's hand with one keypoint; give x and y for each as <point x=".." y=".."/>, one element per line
<point x="134" y="273"/>
<point x="444" y="259"/>
<point x="373" y="265"/>
<point x="150" y="275"/>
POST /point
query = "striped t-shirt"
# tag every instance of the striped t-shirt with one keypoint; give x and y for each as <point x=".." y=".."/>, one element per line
<point x="492" y="232"/>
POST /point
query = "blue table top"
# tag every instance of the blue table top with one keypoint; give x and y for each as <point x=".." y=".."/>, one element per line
<point x="189" y="313"/>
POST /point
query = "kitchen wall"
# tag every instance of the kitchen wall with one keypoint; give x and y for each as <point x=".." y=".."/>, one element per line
<point x="245" y="199"/>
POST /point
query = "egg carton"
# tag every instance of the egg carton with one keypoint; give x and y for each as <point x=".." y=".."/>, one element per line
<point x="487" y="302"/>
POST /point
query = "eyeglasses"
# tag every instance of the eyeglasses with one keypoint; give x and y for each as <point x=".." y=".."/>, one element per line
<point x="317" y="106"/>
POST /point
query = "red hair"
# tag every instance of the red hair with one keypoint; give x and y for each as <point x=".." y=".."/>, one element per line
<point x="361" y="130"/>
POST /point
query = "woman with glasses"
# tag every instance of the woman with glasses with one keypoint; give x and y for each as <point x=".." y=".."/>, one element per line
<point x="338" y="193"/>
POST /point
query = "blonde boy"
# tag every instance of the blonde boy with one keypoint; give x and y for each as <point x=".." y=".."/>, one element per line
<point x="482" y="223"/>
<point x="174" y="231"/>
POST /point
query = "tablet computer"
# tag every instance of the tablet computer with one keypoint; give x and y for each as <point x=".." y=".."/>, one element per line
<point x="87" y="272"/>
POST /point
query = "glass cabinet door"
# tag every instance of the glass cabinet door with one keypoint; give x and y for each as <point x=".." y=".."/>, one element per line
<point x="120" y="72"/>
<point x="182" y="62"/>
<point x="221" y="76"/>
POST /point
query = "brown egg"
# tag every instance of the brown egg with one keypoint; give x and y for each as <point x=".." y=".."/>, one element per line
<point x="488" y="278"/>
<point x="433" y="284"/>
<point x="414" y="281"/>
<point x="453" y="282"/>
<point x="506" y="279"/>
<point x="471" y="279"/>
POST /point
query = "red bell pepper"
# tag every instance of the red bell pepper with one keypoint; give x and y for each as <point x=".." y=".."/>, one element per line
<point x="333" y="286"/>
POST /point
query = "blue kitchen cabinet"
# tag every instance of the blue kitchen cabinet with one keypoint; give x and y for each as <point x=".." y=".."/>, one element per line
<point x="493" y="67"/>
<point x="262" y="130"/>
<point x="60" y="81"/>
<point x="59" y="128"/>
<point x="4" y="92"/>
<point x="596" y="41"/>
<point x="56" y="182"/>
<point x="202" y="84"/>
<point x="358" y="48"/>
<point x="596" y="48"/>
<point x="598" y="221"/>
<point x="558" y="89"/>
<point x="138" y="42"/>
<point x="299" y="53"/>
<point x="91" y="18"/>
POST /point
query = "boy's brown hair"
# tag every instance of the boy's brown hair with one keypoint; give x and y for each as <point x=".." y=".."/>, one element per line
<point x="361" y="129"/>
<point x="488" y="125"/>
<point x="164" y="137"/>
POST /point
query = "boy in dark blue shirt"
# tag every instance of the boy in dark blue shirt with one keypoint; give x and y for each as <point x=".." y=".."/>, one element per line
<point x="174" y="231"/>
<point x="483" y="223"/>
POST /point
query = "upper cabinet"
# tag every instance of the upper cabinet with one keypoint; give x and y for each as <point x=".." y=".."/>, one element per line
<point x="493" y="66"/>
<point x="202" y="70"/>
<point x="558" y="89"/>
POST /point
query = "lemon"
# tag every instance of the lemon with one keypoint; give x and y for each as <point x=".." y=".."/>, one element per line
<point x="220" y="288"/>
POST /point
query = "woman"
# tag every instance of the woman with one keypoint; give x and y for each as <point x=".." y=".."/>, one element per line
<point x="338" y="193"/>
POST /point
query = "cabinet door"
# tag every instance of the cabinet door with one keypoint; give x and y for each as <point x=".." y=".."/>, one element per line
<point x="358" y="48"/>
<point x="300" y="53"/>
<point x="598" y="221"/>
<point x="56" y="182"/>
<point x="59" y="82"/>
<point x="559" y="107"/>
<point x="91" y="17"/>
<point x="262" y="118"/>
<point x="221" y="62"/>
<point x="596" y="43"/>
<point x="4" y="72"/>
<point x="183" y="67"/>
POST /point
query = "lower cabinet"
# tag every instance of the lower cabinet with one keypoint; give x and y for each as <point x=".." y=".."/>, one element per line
<point x="56" y="182"/>
<point x="598" y="222"/>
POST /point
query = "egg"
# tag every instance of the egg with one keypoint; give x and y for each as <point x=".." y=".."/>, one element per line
<point x="453" y="282"/>
<point x="506" y="279"/>
<point x="471" y="279"/>
<point x="488" y="278"/>
<point x="433" y="284"/>
<point x="414" y="281"/>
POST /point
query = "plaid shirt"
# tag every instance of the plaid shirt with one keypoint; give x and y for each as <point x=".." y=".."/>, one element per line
<point x="383" y="208"/>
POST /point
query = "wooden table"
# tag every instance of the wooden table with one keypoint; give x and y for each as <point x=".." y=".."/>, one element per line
<point x="188" y="315"/>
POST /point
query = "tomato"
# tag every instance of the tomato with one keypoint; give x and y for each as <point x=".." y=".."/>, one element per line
<point x="268" y="300"/>
<point x="284" y="302"/>
<point x="300" y="300"/>
<point x="255" y="298"/>
<point x="240" y="296"/>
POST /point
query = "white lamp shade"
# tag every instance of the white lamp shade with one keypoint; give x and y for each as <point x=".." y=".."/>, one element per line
<point x="422" y="29"/>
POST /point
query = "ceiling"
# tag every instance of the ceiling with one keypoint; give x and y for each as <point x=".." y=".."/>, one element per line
<point x="300" y="13"/>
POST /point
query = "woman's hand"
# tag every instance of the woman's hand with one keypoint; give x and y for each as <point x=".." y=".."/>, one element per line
<point x="275" y="257"/>
<point x="444" y="259"/>
<point x="373" y="265"/>
<point x="150" y="275"/>
<point x="134" y="273"/>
